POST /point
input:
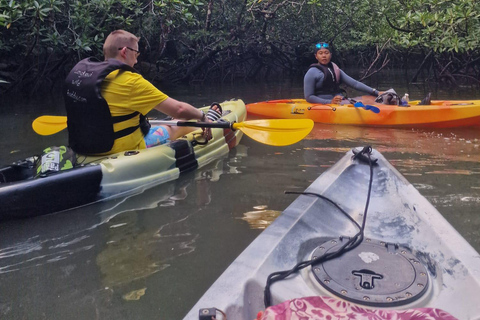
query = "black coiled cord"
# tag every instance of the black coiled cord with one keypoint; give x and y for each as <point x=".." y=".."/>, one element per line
<point x="351" y="244"/>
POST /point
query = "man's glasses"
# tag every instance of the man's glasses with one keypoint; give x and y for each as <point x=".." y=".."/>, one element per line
<point x="321" y="45"/>
<point x="136" y="51"/>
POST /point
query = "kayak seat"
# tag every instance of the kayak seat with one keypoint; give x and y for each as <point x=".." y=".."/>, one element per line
<point x="427" y="100"/>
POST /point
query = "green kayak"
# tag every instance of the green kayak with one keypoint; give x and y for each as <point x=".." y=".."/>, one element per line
<point x="25" y="193"/>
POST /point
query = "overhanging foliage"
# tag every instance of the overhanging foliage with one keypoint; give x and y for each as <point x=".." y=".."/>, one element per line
<point x="218" y="40"/>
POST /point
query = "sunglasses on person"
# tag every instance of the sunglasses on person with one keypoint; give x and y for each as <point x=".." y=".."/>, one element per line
<point x="136" y="51"/>
<point x="321" y="45"/>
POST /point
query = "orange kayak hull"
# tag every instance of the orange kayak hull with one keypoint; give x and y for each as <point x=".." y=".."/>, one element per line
<point x="439" y="114"/>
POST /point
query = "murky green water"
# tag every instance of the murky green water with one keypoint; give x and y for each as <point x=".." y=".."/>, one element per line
<point x="152" y="255"/>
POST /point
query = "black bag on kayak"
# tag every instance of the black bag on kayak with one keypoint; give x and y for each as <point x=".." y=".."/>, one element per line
<point x="389" y="97"/>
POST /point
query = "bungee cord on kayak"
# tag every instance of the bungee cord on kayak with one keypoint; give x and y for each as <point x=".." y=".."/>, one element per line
<point x="365" y="156"/>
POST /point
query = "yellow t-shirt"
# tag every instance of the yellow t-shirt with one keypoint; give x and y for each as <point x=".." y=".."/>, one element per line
<point x="127" y="92"/>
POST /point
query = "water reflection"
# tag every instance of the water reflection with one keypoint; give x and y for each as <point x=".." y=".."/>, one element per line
<point x="107" y="248"/>
<point x="135" y="294"/>
<point x="120" y="218"/>
<point x="441" y="146"/>
<point x="132" y="252"/>
<point x="260" y="218"/>
<point x="463" y="142"/>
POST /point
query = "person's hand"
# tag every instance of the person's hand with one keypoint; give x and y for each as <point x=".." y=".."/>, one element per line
<point x="336" y="100"/>
<point x="207" y="132"/>
<point x="214" y="113"/>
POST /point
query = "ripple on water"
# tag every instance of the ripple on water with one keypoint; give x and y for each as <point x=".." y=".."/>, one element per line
<point x="423" y="186"/>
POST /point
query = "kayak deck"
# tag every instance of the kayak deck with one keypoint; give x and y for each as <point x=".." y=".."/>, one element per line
<point x="97" y="178"/>
<point x="399" y="220"/>
<point x="439" y="114"/>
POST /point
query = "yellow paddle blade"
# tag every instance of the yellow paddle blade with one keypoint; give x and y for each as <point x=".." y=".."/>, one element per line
<point x="276" y="132"/>
<point x="47" y="125"/>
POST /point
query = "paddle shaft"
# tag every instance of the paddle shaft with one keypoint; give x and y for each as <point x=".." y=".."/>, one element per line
<point x="226" y="125"/>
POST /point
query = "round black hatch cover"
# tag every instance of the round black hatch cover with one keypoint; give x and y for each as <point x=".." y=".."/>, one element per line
<point x="375" y="273"/>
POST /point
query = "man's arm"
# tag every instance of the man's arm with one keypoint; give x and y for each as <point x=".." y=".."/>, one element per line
<point x="179" y="110"/>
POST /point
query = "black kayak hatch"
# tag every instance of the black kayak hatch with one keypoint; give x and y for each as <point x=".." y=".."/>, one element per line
<point x="375" y="273"/>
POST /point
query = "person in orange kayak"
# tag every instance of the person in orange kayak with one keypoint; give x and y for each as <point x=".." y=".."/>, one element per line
<point x="107" y="102"/>
<point x="322" y="81"/>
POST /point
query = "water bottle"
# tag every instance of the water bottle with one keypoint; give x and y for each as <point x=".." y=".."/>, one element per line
<point x="405" y="100"/>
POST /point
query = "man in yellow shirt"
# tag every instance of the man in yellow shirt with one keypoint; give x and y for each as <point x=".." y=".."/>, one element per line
<point x="107" y="102"/>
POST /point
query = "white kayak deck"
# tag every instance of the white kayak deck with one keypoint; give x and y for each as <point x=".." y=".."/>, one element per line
<point x="397" y="214"/>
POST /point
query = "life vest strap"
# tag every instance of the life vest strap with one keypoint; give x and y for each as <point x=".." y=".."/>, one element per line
<point x="144" y="125"/>
<point x="118" y="119"/>
<point x="124" y="132"/>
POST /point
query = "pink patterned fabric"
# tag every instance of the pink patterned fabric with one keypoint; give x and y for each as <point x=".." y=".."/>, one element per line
<point x="326" y="308"/>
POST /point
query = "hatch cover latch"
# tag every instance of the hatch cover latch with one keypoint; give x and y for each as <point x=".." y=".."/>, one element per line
<point x="366" y="278"/>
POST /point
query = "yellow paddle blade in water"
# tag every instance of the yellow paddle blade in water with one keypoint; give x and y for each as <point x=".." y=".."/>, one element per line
<point x="276" y="132"/>
<point x="47" y="125"/>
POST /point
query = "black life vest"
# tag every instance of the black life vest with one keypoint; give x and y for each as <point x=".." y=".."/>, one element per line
<point x="331" y="80"/>
<point x="90" y="123"/>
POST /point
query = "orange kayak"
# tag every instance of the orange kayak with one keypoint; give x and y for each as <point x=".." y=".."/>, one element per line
<point x="439" y="114"/>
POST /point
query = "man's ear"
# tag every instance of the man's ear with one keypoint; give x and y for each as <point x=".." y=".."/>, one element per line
<point x="123" y="52"/>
